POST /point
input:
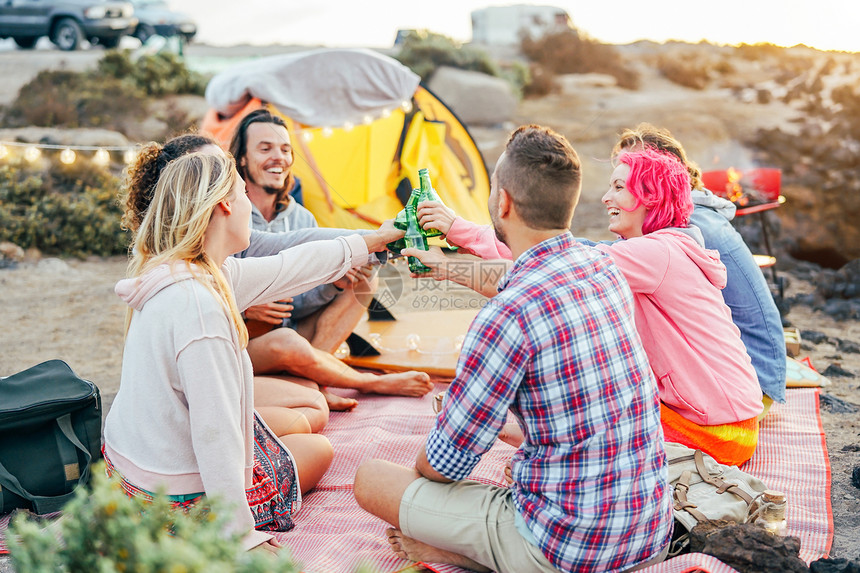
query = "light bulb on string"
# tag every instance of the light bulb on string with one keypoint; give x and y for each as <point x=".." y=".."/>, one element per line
<point x="327" y="131"/>
<point x="101" y="157"/>
<point x="367" y="120"/>
<point x="348" y="126"/>
<point x="386" y="113"/>
<point x="406" y="106"/>
<point x="67" y="156"/>
<point x="130" y="155"/>
<point x="307" y="135"/>
<point x="4" y="151"/>
<point x="32" y="153"/>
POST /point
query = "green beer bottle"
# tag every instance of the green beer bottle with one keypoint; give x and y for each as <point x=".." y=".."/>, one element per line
<point x="415" y="239"/>
<point x="400" y="221"/>
<point x="428" y="194"/>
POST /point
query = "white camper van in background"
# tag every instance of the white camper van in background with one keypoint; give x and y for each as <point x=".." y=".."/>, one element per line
<point x="506" y="25"/>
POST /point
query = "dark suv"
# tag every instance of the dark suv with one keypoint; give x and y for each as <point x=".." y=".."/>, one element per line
<point x="66" y="22"/>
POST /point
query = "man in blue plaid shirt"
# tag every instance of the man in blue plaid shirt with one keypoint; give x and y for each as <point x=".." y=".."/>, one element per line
<point x="556" y="347"/>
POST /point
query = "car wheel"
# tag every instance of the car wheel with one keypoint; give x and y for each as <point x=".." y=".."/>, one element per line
<point x="144" y="32"/>
<point x="110" y="43"/>
<point x="26" y="42"/>
<point x="67" y="34"/>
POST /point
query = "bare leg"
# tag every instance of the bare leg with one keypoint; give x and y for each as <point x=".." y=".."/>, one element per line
<point x="379" y="486"/>
<point x="313" y="454"/>
<point x="414" y="550"/>
<point x="330" y="326"/>
<point x="286" y="350"/>
<point x="283" y="403"/>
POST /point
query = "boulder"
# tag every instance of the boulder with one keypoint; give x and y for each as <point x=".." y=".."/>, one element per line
<point x="65" y="136"/>
<point x="476" y="98"/>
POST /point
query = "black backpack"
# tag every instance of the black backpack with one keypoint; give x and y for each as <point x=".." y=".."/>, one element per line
<point x="50" y="435"/>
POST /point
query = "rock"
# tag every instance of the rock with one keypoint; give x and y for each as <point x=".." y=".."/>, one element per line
<point x="747" y="547"/>
<point x="837" y="370"/>
<point x="61" y="136"/>
<point x="848" y="346"/>
<point x="813" y="336"/>
<point x="855" y="477"/>
<point x="840" y="565"/>
<point x="476" y="98"/>
<point x="836" y="405"/>
<point x="11" y="252"/>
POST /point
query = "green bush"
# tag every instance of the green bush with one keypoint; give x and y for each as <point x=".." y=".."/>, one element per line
<point x="158" y="74"/>
<point x="61" y="209"/>
<point x="573" y="52"/>
<point x="108" y="96"/>
<point x="105" y="530"/>
<point x="423" y="52"/>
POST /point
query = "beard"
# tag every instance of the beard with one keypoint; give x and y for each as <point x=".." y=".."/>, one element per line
<point x="273" y="190"/>
<point x="500" y="234"/>
<point x="267" y="188"/>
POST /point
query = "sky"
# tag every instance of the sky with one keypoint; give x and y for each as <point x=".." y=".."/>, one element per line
<point x="823" y="24"/>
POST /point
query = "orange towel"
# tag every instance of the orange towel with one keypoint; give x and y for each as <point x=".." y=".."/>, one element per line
<point x="730" y="444"/>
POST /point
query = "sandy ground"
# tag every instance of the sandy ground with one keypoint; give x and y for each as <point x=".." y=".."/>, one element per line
<point x="66" y="308"/>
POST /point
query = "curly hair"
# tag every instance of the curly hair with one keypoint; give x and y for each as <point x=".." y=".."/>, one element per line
<point x="659" y="181"/>
<point x="142" y="175"/>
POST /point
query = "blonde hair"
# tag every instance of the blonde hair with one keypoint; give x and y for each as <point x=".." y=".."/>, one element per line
<point x="174" y="226"/>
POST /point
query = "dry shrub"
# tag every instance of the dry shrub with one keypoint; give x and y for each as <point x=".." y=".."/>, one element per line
<point x="541" y="83"/>
<point x="573" y="52"/>
<point x="682" y="71"/>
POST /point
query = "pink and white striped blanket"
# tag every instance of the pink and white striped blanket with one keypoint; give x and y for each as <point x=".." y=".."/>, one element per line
<point x="334" y="535"/>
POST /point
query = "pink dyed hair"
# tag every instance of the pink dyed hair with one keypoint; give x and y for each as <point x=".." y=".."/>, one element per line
<point x="661" y="182"/>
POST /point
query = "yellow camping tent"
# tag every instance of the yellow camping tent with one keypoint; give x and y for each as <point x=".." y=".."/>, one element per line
<point x="361" y="127"/>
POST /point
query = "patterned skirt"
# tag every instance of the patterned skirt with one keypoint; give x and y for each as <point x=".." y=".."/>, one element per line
<point x="274" y="496"/>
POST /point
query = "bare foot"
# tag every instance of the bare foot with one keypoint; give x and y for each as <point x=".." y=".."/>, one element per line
<point x="338" y="403"/>
<point x="414" y="550"/>
<point x="411" y="383"/>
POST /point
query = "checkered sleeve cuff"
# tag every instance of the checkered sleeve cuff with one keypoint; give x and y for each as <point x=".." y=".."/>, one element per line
<point x="446" y="459"/>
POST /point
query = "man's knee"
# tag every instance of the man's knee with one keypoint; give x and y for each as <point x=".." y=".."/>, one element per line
<point x="290" y="347"/>
<point x="366" y="477"/>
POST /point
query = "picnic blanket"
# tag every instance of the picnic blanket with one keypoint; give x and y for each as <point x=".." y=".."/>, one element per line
<point x="333" y="534"/>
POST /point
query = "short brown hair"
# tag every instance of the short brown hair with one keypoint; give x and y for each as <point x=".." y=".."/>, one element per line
<point x="542" y="174"/>
<point x="660" y="139"/>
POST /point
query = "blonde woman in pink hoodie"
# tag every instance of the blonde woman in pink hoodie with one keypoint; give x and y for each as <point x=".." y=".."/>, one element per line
<point x="183" y="421"/>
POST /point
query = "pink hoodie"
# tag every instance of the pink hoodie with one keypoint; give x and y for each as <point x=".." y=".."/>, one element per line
<point x="702" y="368"/>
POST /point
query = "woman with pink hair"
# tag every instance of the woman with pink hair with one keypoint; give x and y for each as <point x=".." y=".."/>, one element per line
<point x="709" y="392"/>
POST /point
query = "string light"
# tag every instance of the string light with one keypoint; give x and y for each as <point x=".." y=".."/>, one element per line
<point x="348" y="126"/>
<point x="386" y="113"/>
<point x="367" y="120"/>
<point x="307" y="135"/>
<point x="406" y="106"/>
<point x="32" y="153"/>
<point x="327" y="131"/>
<point x="101" y="157"/>
<point x="67" y="156"/>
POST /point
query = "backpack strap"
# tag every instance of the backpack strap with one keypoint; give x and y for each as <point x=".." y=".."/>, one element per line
<point x="718" y="482"/>
<point x="681" y="502"/>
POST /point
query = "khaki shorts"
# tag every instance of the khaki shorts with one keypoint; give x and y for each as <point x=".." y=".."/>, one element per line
<point x="471" y="519"/>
